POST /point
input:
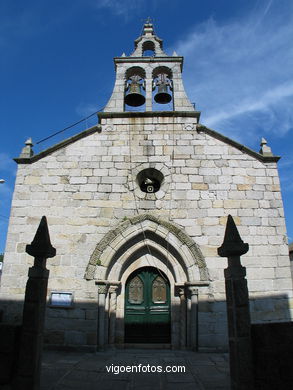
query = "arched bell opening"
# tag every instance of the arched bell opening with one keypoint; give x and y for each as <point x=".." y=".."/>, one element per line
<point x="147" y="309"/>
<point x="148" y="49"/>
<point x="162" y="89"/>
<point x="134" y="99"/>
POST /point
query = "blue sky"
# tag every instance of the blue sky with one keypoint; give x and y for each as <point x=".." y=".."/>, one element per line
<point x="56" y="67"/>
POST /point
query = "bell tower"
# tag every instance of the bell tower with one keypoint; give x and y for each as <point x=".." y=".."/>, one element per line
<point x="148" y="79"/>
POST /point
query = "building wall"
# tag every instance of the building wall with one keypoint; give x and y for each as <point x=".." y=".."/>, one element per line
<point x="88" y="187"/>
<point x="291" y="257"/>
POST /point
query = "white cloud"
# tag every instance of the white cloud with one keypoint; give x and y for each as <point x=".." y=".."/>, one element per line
<point x="240" y="73"/>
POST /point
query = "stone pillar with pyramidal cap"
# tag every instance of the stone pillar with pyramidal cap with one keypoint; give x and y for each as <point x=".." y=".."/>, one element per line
<point x="31" y="339"/>
<point x="238" y="314"/>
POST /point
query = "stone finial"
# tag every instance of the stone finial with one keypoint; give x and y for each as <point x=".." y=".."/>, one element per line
<point x="174" y="54"/>
<point x="41" y="246"/>
<point x="232" y="244"/>
<point x="148" y="28"/>
<point x="265" y="150"/>
<point x="27" y="151"/>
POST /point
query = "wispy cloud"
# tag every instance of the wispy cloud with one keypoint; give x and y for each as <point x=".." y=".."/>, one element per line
<point x="284" y="164"/>
<point x="86" y="109"/>
<point x="12" y="27"/>
<point x="7" y="165"/>
<point x="285" y="172"/>
<point x="240" y="73"/>
<point x="251" y="104"/>
<point x="125" y="8"/>
<point x="7" y="173"/>
<point x="286" y="182"/>
<point x="5" y="191"/>
<point x="19" y="23"/>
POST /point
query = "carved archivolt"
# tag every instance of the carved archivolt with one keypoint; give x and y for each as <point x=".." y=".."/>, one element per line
<point x="147" y="234"/>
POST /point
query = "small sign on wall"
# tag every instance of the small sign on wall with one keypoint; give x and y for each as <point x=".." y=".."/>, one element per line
<point x="61" y="299"/>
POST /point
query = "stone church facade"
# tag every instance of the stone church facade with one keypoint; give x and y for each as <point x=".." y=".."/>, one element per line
<point x="137" y="207"/>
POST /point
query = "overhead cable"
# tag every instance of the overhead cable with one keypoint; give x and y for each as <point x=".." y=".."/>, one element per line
<point x="69" y="127"/>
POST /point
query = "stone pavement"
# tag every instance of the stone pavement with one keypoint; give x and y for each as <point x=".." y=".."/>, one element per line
<point x="87" y="371"/>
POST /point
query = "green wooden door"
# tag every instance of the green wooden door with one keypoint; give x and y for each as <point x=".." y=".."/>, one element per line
<point x="147" y="307"/>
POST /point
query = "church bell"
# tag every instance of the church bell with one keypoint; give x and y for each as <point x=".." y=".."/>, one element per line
<point x="134" y="96"/>
<point x="163" y="96"/>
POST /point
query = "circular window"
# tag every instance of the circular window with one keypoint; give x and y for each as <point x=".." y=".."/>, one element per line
<point x="150" y="180"/>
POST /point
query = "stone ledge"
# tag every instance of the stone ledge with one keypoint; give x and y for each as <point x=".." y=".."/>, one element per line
<point x="148" y="114"/>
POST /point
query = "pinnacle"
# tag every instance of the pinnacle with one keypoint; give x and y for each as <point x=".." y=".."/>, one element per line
<point x="232" y="244"/>
<point x="41" y="245"/>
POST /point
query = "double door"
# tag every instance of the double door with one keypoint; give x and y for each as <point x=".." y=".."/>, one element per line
<point x="147" y="307"/>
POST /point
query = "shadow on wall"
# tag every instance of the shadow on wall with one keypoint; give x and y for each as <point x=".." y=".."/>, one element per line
<point x="76" y="328"/>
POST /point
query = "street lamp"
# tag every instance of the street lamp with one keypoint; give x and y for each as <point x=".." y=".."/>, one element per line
<point x="2" y="181"/>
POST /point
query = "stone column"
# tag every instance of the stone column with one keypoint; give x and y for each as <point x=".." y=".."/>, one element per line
<point x="148" y="93"/>
<point x="113" y="306"/>
<point x="240" y="351"/>
<point x="193" y="318"/>
<point x="34" y="309"/>
<point x="182" y="318"/>
<point x="188" y="319"/>
<point x="102" y="291"/>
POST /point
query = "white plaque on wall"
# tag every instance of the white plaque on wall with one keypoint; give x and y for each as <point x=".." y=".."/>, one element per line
<point x="61" y="299"/>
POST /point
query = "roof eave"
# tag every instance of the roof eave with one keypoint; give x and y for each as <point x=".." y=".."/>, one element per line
<point x="237" y="145"/>
<point x="60" y="145"/>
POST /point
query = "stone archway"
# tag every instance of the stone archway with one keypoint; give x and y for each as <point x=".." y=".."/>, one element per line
<point x="141" y="241"/>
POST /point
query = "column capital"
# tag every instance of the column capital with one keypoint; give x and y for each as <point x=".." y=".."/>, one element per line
<point x="193" y="290"/>
<point x="181" y="291"/>
<point x="197" y="283"/>
<point x="113" y="289"/>
<point x="102" y="287"/>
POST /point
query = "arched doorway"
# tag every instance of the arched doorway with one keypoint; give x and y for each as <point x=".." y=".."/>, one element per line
<point x="147" y="307"/>
<point x="146" y="241"/>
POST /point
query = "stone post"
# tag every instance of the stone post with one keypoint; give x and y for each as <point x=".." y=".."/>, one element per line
<point x="31" y="339"/>
<point x="240" y="351"/>
<point x="102" y="291"/>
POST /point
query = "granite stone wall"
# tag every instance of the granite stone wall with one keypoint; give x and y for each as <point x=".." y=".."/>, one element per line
<point x="89" y="186"/>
